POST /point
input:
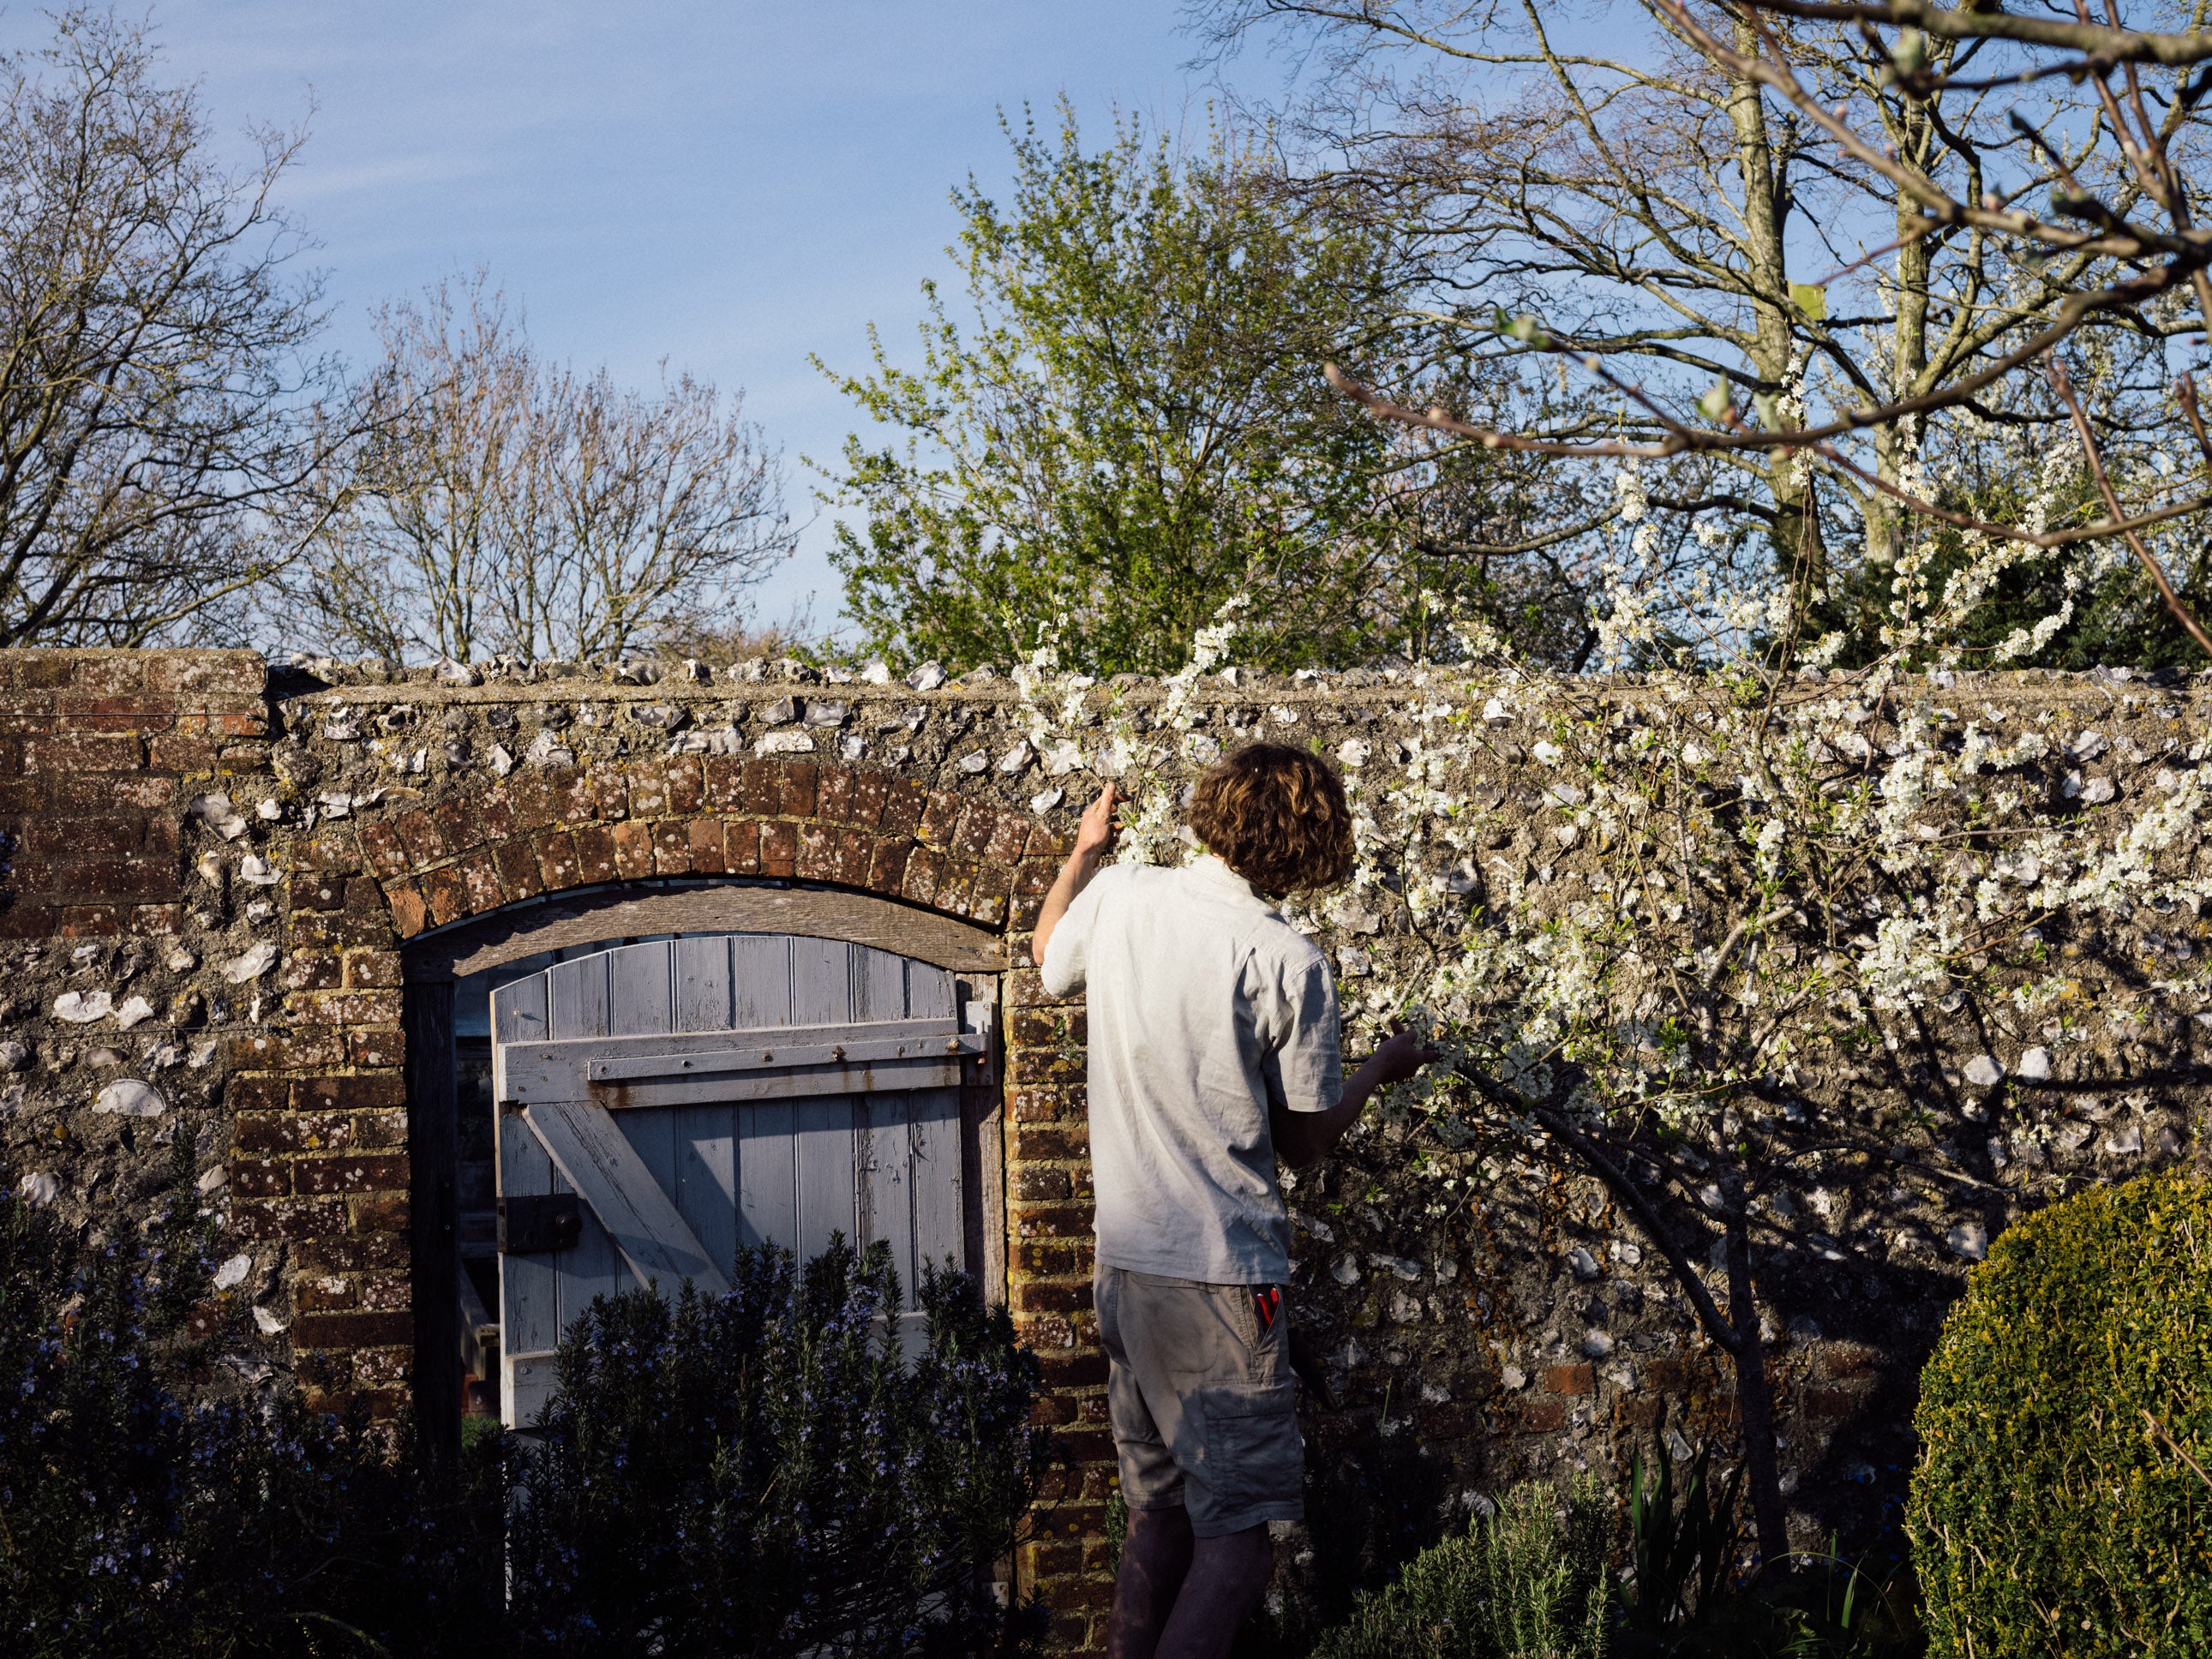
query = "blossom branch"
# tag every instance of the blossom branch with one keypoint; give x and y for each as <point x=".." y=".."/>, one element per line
<point x="2064" y="387"/>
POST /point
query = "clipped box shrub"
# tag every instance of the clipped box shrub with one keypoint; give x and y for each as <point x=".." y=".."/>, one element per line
<point x="2055" y="1509"/>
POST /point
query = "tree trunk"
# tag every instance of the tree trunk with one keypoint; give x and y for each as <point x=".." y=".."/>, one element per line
<point x="1800" y="557"/>
<point x="1755" y="1398"/>
<point x="1896" y="447"/>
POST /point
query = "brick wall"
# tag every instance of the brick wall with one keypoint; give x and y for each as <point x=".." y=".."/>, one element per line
<point x="300" y="1097"/>
<point x="250" y="957"/>
<point x="96" y="748"/>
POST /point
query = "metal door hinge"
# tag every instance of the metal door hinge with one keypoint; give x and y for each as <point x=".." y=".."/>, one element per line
<point x="528" y="1225"/>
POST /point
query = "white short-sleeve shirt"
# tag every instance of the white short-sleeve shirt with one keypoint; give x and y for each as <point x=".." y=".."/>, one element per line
<point x="1206" y="1007"/>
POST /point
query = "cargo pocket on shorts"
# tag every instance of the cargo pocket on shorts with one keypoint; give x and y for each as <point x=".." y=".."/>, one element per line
<point x="1254" y="1456"/>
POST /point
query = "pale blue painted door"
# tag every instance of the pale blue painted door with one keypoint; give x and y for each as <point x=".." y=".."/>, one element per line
<point x="660" y="1105"/>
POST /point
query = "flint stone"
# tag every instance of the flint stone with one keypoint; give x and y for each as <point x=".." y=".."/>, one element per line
<point x="129" y="1098"/>
<point x="219" y="815"/>
<point x="250" y="966"/>
<point x="83" y="1008"/>
<point x="547" y="749"/>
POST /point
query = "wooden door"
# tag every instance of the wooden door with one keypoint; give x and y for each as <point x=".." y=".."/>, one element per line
<point x="660" y="1105"/>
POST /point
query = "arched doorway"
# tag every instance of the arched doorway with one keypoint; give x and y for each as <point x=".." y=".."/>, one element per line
<point x="636" y="966"/>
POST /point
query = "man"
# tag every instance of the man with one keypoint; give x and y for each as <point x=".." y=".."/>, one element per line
<point x="1215" y="1036"/>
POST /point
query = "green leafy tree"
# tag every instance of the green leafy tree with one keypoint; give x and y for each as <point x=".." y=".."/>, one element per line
<point x="1136" y="428"/>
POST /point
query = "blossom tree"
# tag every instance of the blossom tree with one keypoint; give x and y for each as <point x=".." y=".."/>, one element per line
<point x="1790" y="956"/>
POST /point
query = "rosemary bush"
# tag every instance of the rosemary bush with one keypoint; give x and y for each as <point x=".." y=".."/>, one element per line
<point x="1529" y="1582"/>
<point x="764" y="1473"/>
<point x="134" y="1521"/>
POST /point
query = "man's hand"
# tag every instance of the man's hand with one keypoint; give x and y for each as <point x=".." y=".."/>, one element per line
<point x="1398" y="1058"/>
<point x="1094" y="836"/>
<point x="1094" y="839"/>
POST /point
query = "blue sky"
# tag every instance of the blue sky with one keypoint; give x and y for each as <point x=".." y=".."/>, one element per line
<point x="731" y="186"/>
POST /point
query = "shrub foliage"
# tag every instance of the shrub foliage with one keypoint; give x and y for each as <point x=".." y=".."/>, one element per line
<point x="765" y="1473"/>
<point x="2055" y="1509"/>
<point x="759" y="1475"/>
<point x="1529" y="1579"/>
<point x="135" y="1522"/>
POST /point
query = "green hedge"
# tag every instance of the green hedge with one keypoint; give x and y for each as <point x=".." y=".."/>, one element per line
<point x="2047" y="1515"/>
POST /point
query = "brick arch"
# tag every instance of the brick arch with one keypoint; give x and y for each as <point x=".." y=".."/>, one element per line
<point x="323" y="1151"/>
<point x="712" y="815"/>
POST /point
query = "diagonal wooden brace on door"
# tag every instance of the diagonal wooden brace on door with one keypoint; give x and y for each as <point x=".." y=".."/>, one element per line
<point x="595" y="1157"/>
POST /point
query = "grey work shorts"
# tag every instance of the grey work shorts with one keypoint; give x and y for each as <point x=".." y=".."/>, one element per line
<point x="1200" y="1394"/>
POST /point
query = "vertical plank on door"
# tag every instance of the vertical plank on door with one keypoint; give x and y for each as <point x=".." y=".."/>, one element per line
<point x="594" y="1268"/>
<point x="706" y="1190"/>
<point x="641" y="1002"/>
<point x="822" y="1150"/>
<point x="702" y="984"/>
<point x="879" y="984"/>
<point x="642" y="989"/>
<point x="577" y="997"/>
<point x="824" y="1142"/>
<point x="934" y="1172"/>
<point x="760" y="981"/>
<point x="821" y="982"/>
<point x="519" y="1014"/>
<point x="879" y="1133"/>
<point x="887" y="1202"/>
<point x="529" y="1297"/>
<point x="767" y="1176"/>
<point x="929" y="994"/>
<point x="579" y="992"/>
<point x="938" y="1225"/>
<point x="529" y="1306"/>
<point x="706" y="1147"/>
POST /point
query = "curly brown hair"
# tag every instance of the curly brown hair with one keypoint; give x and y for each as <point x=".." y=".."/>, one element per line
<point x="1277" y="816"/>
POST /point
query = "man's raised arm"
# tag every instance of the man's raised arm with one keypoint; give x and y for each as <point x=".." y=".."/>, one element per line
<point x="1094" y="838"/>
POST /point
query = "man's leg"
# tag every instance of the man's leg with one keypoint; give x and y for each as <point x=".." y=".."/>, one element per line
<point x="1155" y="1556"/>
<point x="1227" y="1578"/>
